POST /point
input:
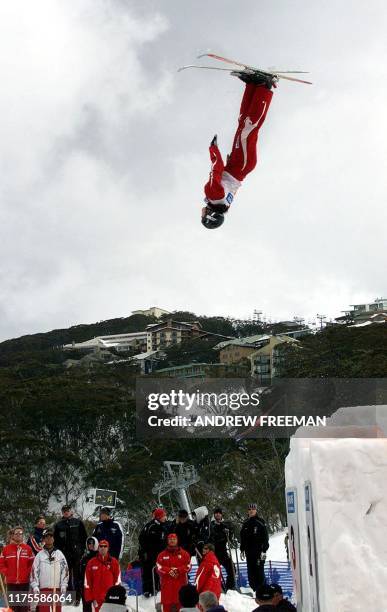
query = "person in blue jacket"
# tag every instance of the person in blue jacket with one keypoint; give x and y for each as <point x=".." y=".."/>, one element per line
<point x="110" y="530"/>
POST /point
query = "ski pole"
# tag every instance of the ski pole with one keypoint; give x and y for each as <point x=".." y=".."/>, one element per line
<point x="231" y="559"/>
<point x="4" y="591"/>
<point x="154" y="586"/>
<point x="238" y="568"/>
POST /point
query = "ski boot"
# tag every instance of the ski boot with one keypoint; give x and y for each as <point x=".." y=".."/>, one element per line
<point x="258" y="78"/>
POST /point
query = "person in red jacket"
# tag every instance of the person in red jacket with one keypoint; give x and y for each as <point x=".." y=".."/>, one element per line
<point x="208" y="575"/>
<point x="16" y="561"/>
<point x="225" y="180"/>
<point x="102" y="572"/>
<point x="173" y="565"/>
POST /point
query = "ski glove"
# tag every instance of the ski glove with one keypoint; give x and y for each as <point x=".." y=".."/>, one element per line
<point x="214" y="141"/>
<point x="243" y="556"/>
<point x="263" y="557"/>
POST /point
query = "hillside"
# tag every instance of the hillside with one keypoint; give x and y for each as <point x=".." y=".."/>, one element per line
<point x="63" y="431"/>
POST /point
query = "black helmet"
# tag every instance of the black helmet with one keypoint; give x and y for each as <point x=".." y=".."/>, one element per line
<point x="212" y="219"/>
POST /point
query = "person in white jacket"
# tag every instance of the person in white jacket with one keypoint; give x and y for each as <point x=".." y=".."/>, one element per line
<point x="49" y="573"/>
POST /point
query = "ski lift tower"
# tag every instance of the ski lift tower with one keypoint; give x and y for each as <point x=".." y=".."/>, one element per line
<point x="177" y="476"/>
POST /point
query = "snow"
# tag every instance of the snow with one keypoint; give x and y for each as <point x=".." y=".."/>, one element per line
<point x="232" y="601"/>
<point x="348" y="478"/>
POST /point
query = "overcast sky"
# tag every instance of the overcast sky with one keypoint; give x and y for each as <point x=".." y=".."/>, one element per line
<point x="104" y="154"/>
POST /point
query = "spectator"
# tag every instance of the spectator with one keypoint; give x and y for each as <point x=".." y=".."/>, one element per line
<point x="49" y="573"/>
<point x="186" y="530"/>
<point x="110" y="530"/>
<point x="188" y="598"/>
<point x="102" y="572"/>
<point x="173" y="565"/>
<point x="35" y="539"/>
<point x="270" y="599"/>
<point x="115" y="600"/>
<point x="208" y="602"/>
<point x="221" y="535"/>
<point x="200" y="515"/>
<point x="15" y="563"/>
<point x="152" y="540"/>
<point x="91" y="552"/>
<point x="208" y="575"/>
<point x="70" y="538"/>
<point x="254" y="544"/>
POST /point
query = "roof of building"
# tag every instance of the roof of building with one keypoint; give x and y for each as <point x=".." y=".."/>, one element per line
<point x="372" y="320"/>
<point x="197" y="363"/>
<point x="248" y="340"/>
<point x="145" y="355"/>
<point x="107" y="340"/>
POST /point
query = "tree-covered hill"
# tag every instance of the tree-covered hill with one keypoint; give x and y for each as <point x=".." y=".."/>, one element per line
<point x="338" y="351"/>
<point x="65" y="430"/>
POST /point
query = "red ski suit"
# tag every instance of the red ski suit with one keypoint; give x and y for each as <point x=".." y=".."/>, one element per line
<point x="224" y="180"/>
<point x="180" y="560"/>
<point x="208" y="575"/>
<point x="15" y="563"/>
<point x="101" y="573"/>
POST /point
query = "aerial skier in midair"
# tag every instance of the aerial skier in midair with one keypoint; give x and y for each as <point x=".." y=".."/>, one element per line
<point x="225" y="180"/>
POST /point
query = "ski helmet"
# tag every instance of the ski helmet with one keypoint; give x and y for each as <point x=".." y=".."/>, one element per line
<point x="212" y="219"/>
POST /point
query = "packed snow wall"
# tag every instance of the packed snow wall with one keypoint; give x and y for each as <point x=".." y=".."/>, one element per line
<point x="336" y="483"/>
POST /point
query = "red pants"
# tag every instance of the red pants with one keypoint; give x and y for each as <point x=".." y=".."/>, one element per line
<point x="50" y="607"/>
<point x="255" y="104"/>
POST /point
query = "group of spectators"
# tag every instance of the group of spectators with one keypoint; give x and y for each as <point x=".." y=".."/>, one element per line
<point x="62" y="558"/>
<point x="194" y="533"/>
<point x="166" y="548"/>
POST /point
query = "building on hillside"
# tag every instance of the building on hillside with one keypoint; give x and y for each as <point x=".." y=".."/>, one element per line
<point x="266" y="360"/>
<point x="366" y="318"/>
<point x="135" y="341"/>
<point x="204" y="370"/>
<point x="153" y="311"/>
<point x="89" y="360"/>
<point x="170" y="332"/>
<point x="361" y="313"/>
<point x="296" y="333"/>
<point x="236" y="349"/>
<point x="148" y="361"/>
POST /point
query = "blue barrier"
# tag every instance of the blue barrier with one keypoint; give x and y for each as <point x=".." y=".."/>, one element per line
<point x="132" y="580"/>
<point x="275" y="571"/>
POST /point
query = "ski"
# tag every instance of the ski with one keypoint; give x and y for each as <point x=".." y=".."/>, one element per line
<point x="206" y="68"/>
<point x="247" y="67"/>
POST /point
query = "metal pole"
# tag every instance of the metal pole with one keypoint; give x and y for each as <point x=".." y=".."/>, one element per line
<point x="183" y="500"/>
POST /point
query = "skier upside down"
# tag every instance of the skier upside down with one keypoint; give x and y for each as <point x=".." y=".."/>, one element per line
<point x="225" y="180"/>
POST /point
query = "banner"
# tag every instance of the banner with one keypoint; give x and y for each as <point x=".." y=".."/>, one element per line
<point x="294" y="543"/>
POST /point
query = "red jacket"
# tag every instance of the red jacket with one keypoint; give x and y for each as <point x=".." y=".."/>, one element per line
<point x="15" y="563"/>
<point x="178" y="559"/>
<point x="100" y="575"/>
<point x="221" y="186"/>
<point x="208" y="575"/>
